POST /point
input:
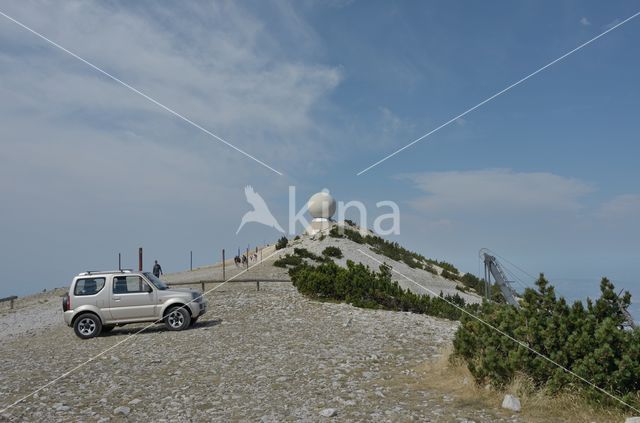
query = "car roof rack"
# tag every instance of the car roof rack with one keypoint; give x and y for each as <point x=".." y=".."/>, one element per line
<point x="93" y="272"/>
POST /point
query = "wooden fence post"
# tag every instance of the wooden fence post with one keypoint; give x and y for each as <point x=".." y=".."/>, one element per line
<point x="223" y="266"/>
<point x="140" y="259"/>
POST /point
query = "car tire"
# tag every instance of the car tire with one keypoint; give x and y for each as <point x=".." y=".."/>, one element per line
<point x="87" y="325"/>
<point x="177" y="318"/>
<point x="107" y="328"/>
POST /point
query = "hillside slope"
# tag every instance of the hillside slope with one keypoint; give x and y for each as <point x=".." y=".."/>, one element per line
<point x="351" y="251"/>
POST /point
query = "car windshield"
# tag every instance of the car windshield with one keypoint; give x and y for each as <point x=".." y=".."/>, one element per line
<point x="157" y="282"/>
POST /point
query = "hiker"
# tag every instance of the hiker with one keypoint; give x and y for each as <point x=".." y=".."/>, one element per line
<point x="157" y="269"/>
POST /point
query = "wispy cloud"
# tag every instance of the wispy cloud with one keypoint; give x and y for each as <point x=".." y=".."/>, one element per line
<point x="226" y="73"/>
<point x="621" y="207"/>
<point x="498" y="190"/>
<point x="611" y="24"/>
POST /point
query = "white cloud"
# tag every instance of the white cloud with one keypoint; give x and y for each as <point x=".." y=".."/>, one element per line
<point x="584" y="21"/>
<point x="226" y="72"/>
<point x="621" y="207"/>
<point x="392" y="124"/>
<point x="611" y="24"/>
<point x="498" y="190"/>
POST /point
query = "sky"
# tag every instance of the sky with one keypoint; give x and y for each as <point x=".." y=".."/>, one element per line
<point x="545" y="174"/>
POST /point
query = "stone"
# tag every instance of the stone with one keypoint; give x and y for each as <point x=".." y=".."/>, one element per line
<point x="511" y="403"/>
<point x="135" y="401"/>
<point x="329" y="412"/>
<point x="60" y="407"/>
<point x="122" y="410"/>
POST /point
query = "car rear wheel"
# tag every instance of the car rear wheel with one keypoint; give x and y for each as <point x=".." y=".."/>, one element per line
<point x="87" y="326"/>
<point x="177" y="318"/>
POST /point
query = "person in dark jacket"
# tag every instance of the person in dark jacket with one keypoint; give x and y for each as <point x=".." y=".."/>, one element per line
<point x="157" y="269"/>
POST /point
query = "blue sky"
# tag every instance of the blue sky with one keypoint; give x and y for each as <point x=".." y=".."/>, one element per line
<point x="545" y="174"/>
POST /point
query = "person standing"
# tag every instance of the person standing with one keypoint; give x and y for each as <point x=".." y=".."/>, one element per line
<point x="157" y="269"/>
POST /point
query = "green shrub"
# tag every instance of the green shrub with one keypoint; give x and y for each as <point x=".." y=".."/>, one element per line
<point x="448" y="275"/>
<point x="445" y="266"/>
<point x="332" y="252"/>
<point x="393" y="250"/>
<point x="353" y="235"/>
<point x="472" y="281"/>
<point x="358" y="285"/>
<point x="288" y="260"/>
<point x="304" y="253"/>
<point x="282" y="243"/>
<point x="589" y="341"/>
<point x="335" y="232"/>
<point x="429" y="268"/>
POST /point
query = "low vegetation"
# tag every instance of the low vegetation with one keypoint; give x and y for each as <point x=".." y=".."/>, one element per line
<point x="332" y="252"/>
<point x="448" y="275"/>
<point x="590" y="341"/>
<point x="282" y="243"/>
<point x="304" y="253"/>
<point x="393" y="250"/>
<point x="288" y="260"/>
<point x="360" y="286"/>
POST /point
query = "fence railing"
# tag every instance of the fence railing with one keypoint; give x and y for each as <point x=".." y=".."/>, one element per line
<point x="203" y="283"/>
<point x="11" y="299"/>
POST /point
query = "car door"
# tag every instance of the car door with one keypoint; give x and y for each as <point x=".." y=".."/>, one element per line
<point x="132" y="298"/>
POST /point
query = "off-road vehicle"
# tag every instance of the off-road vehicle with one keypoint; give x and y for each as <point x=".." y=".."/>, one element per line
<point x="99" y="301"/>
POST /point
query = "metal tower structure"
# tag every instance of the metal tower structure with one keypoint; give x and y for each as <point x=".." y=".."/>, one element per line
<point x="493" y="268"/>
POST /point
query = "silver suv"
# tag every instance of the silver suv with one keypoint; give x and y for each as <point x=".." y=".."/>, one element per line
<point x="99" y="301"/>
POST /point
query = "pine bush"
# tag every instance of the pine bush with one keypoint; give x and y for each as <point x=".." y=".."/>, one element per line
<point x="332" y="252"/>
<point x="590" y="341"/>
<point x="282" y="243"/>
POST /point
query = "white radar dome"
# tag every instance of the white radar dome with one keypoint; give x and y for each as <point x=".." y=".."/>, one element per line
<point x="322" y="205"/>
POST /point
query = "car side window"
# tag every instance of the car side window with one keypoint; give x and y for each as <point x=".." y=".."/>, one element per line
<point x="88" y="286"/>
<point x="129" y="285"/>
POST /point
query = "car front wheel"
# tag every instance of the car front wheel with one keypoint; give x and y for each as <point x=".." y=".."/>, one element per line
<point x="177" y="318"/>
<point x="87" y="326"/>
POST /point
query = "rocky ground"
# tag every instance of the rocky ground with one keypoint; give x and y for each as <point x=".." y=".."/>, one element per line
<point x="31" y="314"/>
<point x="268" y="355"/>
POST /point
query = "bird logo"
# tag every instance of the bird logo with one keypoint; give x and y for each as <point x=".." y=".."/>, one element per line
<point x="260" y="212"/>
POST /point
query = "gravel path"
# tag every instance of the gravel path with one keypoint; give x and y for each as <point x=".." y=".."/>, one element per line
<point x="268" y="355"/>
